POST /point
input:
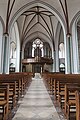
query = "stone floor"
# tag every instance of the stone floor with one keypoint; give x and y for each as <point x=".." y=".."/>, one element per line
<point x="37" y="104"/>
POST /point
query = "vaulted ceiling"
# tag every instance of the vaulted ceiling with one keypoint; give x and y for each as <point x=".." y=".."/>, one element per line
<point x="37" y="21"/>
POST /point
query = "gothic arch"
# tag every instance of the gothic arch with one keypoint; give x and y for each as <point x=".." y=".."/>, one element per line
<point x="3" y="25"/>
<point x="31" y="37"/>
<point x="75" y="19"/>
<point x="44" y="5"/>
<point x="73" y="29"/>
<point x="14" y="37"/>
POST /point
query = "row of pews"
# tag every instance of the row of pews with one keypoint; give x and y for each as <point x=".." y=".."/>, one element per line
<point x="66" y="91"/>
<point x="12" y="88"/>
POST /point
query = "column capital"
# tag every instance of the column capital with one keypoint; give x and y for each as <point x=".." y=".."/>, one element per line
<point x="20" y="50"/>
<point x="5" y="34"/>
<point x="68" y="34"/>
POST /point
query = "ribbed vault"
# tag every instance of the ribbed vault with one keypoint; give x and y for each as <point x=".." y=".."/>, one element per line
<point x="36" y="20"/>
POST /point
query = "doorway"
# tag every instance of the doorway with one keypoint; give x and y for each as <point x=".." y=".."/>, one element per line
<point x="37" y="68"/>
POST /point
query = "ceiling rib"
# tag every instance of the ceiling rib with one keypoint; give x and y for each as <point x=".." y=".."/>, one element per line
<point x="9" y="10"/>
<point x="39" y="14"/>
<point x="46" y="24"/>
<point x="29" y="24"/>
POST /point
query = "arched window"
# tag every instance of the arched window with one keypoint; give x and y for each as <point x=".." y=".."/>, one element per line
<point x="15" y="47"/>
<point x="37" y="48"/>
<point x="61" y="51"/>
<point x="13" y="50"/>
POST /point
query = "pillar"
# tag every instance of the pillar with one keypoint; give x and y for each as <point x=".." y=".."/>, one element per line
<point x="18" y="55"/>
<point x="30" y="50"/>
<point x="57" y="60"/>
<point x="68" y="54"/>
<point x="1" y="57"/>
<point x="44" y="51"/>
<point x="20" y="61"/>
<point x="5" y="49"/>
<point x="48" y="53"/>
<point x="54" y="62"/>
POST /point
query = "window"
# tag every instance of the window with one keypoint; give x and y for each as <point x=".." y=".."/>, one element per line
<point x="37" y="48"/>
<point x="61" y="51"/>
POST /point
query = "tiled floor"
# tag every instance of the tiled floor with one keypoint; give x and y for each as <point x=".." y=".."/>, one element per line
<point x="36" y="104"/>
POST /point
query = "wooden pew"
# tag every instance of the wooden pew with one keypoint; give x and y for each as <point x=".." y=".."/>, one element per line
<point x="61" y="88"/>
<point x="4" y="99"/>
<point x="9" y="78"/>
<point x="77" y="94"/>
<point x="70" y="101"/>
<point x="12" y="92"/>
<point x="59" y="82"/>
<point x="17" y="85"/>
<point x="25" y="78"/>
<point x="62" y="79"/>
<point x="22" y="81"/>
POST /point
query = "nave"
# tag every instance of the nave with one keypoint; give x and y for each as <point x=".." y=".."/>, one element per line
<point x="36" y="103"/>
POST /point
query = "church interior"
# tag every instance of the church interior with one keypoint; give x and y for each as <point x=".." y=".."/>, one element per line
<point x="39" y="59"/>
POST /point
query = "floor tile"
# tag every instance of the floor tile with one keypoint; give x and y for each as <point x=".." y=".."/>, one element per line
<point x="36" y="104"/>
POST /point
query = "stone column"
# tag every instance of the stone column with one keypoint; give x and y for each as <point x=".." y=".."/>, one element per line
<point x="5" y="49"/>
<point x="1" y="56"/>
<point x="18" y="55"/>
<point x="68" y="53"/>
<point x="44" y="51"/>
<point x="48" y="53"/>
<point x="30" y="50"/>
<point x="20" y="61"/>
<point x="54" y="62"/>
<point x="57" y="61"/>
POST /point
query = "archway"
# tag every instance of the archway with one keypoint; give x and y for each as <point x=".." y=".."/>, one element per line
<point x="47" y="7"/>
<point x="74" y="27"/>
<point x="15" y="47"/>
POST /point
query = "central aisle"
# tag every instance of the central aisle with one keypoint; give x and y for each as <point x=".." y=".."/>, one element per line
<point x="36" y="104"/>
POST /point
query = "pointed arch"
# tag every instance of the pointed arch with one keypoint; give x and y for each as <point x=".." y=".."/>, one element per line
<point x="73" y="29"/>
<point x="14" y="35"/>
<point x="46" y="6"/>
<point x="3" y="25"/>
